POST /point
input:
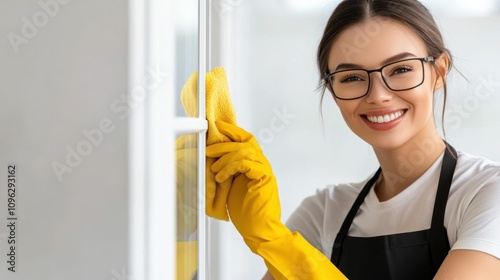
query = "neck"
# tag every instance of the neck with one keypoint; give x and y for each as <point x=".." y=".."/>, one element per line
<point x="404" y="165"/>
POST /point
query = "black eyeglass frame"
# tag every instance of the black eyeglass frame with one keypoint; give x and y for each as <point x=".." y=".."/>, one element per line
<point x="422" y="60"/>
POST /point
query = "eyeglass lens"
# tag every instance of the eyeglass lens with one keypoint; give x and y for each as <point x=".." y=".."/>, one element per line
<point x="398" y="76"/>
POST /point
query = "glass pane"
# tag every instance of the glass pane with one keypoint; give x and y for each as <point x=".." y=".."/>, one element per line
<point x="187" y="206"/>
<point x="186" y="52"/>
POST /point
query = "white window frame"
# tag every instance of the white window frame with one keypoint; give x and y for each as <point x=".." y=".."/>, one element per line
<point x="154" y="127"/>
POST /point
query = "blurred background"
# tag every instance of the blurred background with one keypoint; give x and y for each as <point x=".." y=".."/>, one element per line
<point x="75" y="123"/>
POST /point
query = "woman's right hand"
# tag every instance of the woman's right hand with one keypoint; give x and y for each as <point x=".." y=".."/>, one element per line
<point x="253" y="201"/>
<point x="254" y="209"/>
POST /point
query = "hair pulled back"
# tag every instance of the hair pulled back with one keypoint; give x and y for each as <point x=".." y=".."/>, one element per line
<point x="409" y="12"/>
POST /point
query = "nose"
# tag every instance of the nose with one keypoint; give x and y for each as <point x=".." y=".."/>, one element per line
<point x="378" y="91"/>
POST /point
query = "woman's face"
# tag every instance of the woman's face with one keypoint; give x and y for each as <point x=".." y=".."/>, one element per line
<point x="384" y="118"/>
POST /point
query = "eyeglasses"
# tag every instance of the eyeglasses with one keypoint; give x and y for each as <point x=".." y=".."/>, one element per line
<point x="401" y="75"/>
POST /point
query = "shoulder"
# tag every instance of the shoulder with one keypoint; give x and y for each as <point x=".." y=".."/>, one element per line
<point x="474" y="203"/>
<point x="471" y="165"/>
<point x="321" y="214"/>
<point x="475" y="179"/>
<point x="474" y="173"/>
<point x="338" y="196"/>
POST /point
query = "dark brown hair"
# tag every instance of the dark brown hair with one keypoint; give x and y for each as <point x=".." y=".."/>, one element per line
<point x="409" y="12"/>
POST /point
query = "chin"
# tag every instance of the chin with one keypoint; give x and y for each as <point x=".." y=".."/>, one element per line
<point x="384" y="142"/>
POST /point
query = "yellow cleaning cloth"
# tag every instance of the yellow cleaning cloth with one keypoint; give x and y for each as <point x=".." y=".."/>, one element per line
<point x="218" y="107"/>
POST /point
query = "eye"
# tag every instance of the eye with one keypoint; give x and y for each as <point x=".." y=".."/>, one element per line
<point x="351" y="78"/>
<point x="401" y="70"/>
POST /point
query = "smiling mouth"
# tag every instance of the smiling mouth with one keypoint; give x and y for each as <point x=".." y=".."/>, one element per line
<point x="385" y="118"/>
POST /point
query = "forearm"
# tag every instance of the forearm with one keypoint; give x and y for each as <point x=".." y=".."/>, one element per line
<point x="469" y="264"/>
<point x="294" y="258"/>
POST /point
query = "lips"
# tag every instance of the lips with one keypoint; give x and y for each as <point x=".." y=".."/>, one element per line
<point x="385" y="118"/>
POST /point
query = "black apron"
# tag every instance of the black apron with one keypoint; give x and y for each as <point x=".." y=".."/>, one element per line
<point x="413" y="255"/>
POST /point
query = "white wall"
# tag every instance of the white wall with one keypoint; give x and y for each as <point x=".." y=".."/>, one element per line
<point x="273" y="77"/>
<point x="70" y="66"/>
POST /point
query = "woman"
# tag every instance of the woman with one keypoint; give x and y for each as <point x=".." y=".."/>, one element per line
<point x="428" y="212"/>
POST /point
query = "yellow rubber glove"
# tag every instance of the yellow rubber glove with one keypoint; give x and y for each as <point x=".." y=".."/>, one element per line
<point x="254" y="209"/>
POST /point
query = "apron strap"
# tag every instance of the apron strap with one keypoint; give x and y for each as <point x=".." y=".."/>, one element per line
<point x="439" y="243"/>
<point x="344" y="229"/>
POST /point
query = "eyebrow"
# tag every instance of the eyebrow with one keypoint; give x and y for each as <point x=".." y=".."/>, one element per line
<point x="345" y="66"/>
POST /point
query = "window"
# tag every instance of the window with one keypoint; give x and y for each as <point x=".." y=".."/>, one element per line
<point x="167" y="147"/>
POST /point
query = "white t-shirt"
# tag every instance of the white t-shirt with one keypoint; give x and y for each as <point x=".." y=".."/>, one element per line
<point x="472" y="216"/>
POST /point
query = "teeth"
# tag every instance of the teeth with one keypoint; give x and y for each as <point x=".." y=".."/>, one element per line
<point x="386" y="118"/>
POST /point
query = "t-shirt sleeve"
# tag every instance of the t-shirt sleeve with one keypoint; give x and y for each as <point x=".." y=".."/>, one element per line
<point x="307" y="219"/>
<point x="480" y="226"/>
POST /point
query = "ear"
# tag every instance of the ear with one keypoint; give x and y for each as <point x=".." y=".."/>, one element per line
<point x="441" y="70"/>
